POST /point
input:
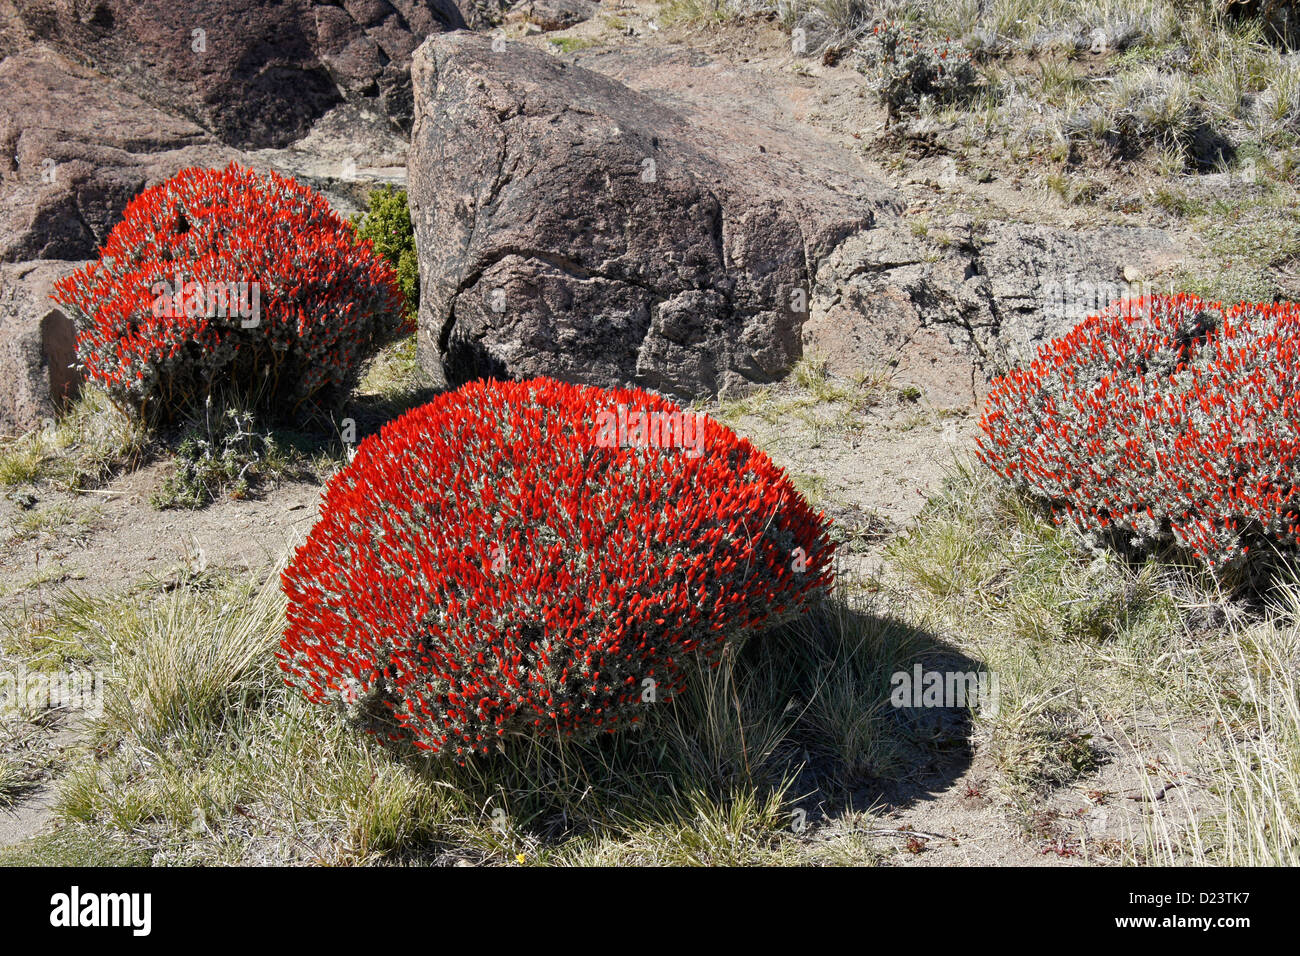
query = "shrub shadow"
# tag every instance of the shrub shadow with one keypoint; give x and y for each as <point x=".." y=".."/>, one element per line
<point x="373" y="412"/>
<point x="799" y="719"/>
<point x="923" y="716"/>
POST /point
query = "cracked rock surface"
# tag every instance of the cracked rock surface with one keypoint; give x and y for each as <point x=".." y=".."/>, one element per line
<point x="945" y="318"/>
<point x="37" y="347"/>
<point x="570" y="226"/>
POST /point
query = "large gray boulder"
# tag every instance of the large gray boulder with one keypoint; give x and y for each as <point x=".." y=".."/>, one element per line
<point x="691" y="239"/>
<point x="569" y="226"/>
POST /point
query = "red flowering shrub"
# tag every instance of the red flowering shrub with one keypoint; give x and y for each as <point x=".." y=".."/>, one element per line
<point x="1163" y="419"/>
<point x="225" y="279"/>
<point x="537" y="557"/>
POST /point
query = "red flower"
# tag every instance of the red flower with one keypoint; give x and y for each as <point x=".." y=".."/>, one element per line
<point x="225" y="276"/>
<point x="1168" y="418"/>
<point x="490" y="564"/>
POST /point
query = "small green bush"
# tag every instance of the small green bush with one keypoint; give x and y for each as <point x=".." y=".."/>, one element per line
<point x="222" y="456"/>
<point x="905" y="72"/>
<point x="387" y="223"/>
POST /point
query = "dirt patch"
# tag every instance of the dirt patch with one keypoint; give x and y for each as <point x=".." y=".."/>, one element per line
<point x="113" y="539"/>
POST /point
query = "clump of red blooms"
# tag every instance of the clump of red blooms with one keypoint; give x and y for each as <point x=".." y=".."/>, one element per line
<point x="1164" y="420"/>
<point x="486" y="567"/>
<point x="233" y="281"/>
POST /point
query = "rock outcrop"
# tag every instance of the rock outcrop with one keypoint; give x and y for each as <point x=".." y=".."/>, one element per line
<point x="945" y="317"/>
<point x="569" y="226"/>
<point x="548" y="15"/>
<point x="77" y="150"/>
<point x="253" y="72"/>
<point x="1043" y="280"/>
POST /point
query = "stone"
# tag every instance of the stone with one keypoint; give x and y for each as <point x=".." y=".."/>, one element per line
<point x="78" y="149"/>
<point x="550" y="15"/>
<point x="569" y="226"/>
<point x="255" y="74"/>
<point x="38" y="347"/>
<point x="888" y="302"/>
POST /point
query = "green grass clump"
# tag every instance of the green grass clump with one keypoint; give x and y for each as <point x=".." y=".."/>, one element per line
<point x="92" y="441"/>
<point x="12" y="781"/>
<point x="74" y="846"/>
<point x="571" y="44"/>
